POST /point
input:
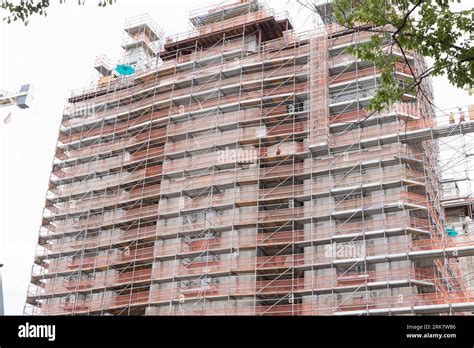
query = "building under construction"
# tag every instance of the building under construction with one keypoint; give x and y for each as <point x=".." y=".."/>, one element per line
<point x="234" y="170"/>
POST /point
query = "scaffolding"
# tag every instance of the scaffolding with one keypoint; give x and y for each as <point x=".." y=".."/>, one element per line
<point x="243" y="176"/>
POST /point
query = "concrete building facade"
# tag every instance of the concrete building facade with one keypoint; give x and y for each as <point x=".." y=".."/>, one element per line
<point x="233" y="170"/>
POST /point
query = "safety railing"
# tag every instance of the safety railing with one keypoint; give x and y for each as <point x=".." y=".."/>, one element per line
<point x="346" y="161"/>
<point x="68" y="244"/>
<point x="239" y="287"/>
<point x="247" y="19"/>
<point x="69" y="138"/>
<point x="248" y="306"/>
<point x="411" y="303"/>
<point x="150" y="252"/>
<point x="402" y="109"/>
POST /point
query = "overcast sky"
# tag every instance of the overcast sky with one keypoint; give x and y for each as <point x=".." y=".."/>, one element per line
<point x="56" y="54"/>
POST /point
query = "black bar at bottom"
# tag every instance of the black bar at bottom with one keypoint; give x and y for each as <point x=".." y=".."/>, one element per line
<point x="160" y="331"/>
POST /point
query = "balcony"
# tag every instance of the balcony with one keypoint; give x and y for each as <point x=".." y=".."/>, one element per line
<point x="56" y="245"/>
<point x="120" y="179"/>
<point x="100" y="262"/>
<point x="419" y="248"/>
<point x="410" y="304"/>
<point x="403" y="111"/>
<point x="174" y="73"/>
<point x="351" y="76"/>
<point x="246" y="99"/>
<point x="347" y="231"/>
<point x="76" y="207"/>
<point x="101" y="221"/>
<point x="374" y="135"/>
<point x="200" y="88"/>
<point x="95" y="283"/>
<point x="109" y="164"/>
<point x="211" y="33"/>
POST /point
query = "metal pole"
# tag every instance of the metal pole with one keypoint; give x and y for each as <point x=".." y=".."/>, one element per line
<point x="2" y="312"/>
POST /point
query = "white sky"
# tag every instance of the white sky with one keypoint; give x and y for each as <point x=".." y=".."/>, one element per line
<point x="56" y="54"/>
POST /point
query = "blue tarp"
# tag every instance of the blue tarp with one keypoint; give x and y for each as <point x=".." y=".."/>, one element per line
<point x="451" y="232"/>
<point x="125" y="69"/>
